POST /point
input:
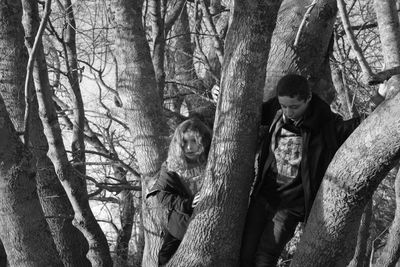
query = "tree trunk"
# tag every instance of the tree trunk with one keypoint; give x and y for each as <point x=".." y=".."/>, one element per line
<point x="391" y="252"/>
<point x="360" y="253"/>
<point x="127" y="212"/>
<point x="72" y="181"/>
<point x="188" y="83"/>
<point x="56" y="207"/>
<point x="142" y="109"/>
<point x="209" y="240"/>
<point x="389" y="33"/>
<point x="71" y="61"/>
<point x="310" y="56"/>
<point x="354" y="173"/>
<point x="157" y="10"/>
<point x="23" y="228"/>
<point x="388" y="25"/>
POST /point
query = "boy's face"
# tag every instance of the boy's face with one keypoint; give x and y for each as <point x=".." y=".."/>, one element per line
<point x="293" y="107"/>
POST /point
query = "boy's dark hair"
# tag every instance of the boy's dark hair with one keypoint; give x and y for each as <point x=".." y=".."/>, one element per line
<point x="293" y="85"/>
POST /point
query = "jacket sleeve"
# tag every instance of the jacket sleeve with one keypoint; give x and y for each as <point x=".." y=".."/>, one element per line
<point x="170" y="193"/>
<point x="174" y="201"/>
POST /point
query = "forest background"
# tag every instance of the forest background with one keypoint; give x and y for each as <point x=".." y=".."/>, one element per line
<point x="91" y="91"/>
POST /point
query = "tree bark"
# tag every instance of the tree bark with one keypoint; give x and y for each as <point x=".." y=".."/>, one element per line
<point x="224" y="196"/>
<point x="157" y="10"/>
<point x="23" y="228"/>
<point x="389" y="33"/>
<point x="354" y="173"/>
<point x="360" y="253"/>
<point x="391" y="252"/>
<point x="184" y="71"/>
<point x="389" y="27"/>
<point x="127" y="212"/>
<point x="71" y="61"/>
<point x="310" y="56"/>
<point x="142" y="109"/>
<point x="56" y="207"/>
<point x="72" y="181"/>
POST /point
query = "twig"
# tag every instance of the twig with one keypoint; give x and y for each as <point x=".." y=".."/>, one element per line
<point x="303" y="22"/>
<point x="29" y="69"/>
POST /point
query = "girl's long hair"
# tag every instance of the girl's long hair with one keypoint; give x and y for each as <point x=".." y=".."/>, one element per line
<point x="176" y="160"/>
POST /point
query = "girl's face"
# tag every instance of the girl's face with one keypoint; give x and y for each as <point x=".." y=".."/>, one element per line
<point x="191" y="148"/>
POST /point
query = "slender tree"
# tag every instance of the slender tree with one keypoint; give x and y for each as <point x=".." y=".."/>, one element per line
<point x="72" y="180"/>
<point x="142" y="109"/>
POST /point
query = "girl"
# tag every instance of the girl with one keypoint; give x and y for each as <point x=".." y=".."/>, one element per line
<point x="180" y="180"/>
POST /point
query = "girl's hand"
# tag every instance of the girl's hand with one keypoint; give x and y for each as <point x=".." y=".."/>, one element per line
<point x="195" y="200"/>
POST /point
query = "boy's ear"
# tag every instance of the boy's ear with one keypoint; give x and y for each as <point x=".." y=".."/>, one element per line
<point x="309" y="98"/>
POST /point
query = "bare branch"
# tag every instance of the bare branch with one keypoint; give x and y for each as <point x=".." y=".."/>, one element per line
<point x="29" y="68"/>
<point x="304" y="21"/>
<point x="367" y="72"/>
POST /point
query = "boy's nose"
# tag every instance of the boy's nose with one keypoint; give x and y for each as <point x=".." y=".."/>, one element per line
<point x="189" y="147"/>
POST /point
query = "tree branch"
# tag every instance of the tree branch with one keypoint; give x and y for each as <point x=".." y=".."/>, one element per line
<point x="29" y="68"/>
<point x="303" y="22"/>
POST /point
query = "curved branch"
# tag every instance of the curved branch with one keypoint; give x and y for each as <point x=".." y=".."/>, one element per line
<point x="29" y="68"/>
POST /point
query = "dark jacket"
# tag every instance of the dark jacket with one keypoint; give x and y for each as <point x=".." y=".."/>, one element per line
<point x="322" y="132"/>
<point x="174" y="196"/>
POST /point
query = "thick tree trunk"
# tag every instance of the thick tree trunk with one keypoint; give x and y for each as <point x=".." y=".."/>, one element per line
<point x="310" y="56"/>
<point x="354" y="173"/>
<point x="56" y="207"/>
<point x="142" y="109"/>
<point x="23" y="228"/>
<point x="72" y="181"/>
<point x="214" y="235"/>
<point x="389" y="32"/>
<point x="391" y="252"/>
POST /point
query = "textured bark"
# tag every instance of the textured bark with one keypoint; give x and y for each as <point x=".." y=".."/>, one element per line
<point x="389" y="32"/>
<point x="209" y="240"/>
<point x="11" y="70"/>
<point x="71" y="61"/>
<point x="391" y="252"/>
<point x="354" y="173"/>
<point x="311" y="55"/>
<point x="69" y="242"/>
<point x="72" y="181"/>
<point x="157" y="15"/>
<point x="184" y="71"/>
<point x="360" y="254"/>
<point x="142" y="109"/>
<point x="126" y="212"/>
<point x="23" y="228"/>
